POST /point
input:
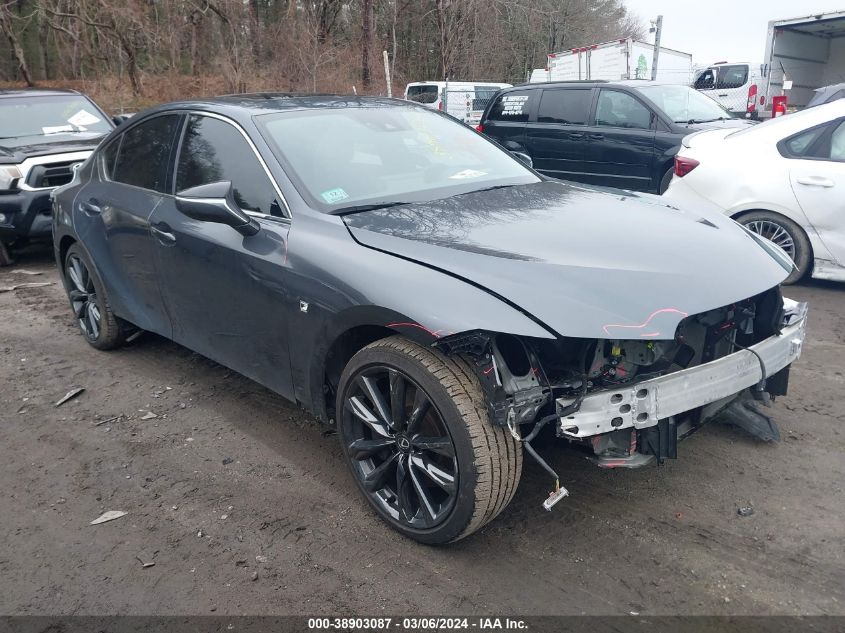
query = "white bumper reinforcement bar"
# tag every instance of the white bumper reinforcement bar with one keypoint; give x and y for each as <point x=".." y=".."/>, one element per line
<point x="641" y="405"/>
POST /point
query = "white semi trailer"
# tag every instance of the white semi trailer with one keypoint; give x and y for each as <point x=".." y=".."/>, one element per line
<point x="612" y="61"/>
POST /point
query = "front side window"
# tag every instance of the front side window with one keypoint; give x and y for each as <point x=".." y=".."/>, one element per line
<point x="566" y="106"/>
<point x="619" y="109"/>
<point x="345" y="157"/>
<point x="682" y="104"/>
<point x="144" y="155"/>
<point x="51" y="115"/>
<point x="108" y="156"/>
<point x="213" y="150"/>
<point x="706" y="80"/>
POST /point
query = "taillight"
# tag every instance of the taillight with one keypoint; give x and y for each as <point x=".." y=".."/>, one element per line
<point x="778" y="105"/>
<point x="480" y="128"/>
<point x="684" y="165"/>
<point x="751" y="106"/>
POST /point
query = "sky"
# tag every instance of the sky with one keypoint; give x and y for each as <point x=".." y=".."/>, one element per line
<point x="723" y="30"/>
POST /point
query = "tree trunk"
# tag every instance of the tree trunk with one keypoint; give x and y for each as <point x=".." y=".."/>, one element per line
<point x="17" y="50"/>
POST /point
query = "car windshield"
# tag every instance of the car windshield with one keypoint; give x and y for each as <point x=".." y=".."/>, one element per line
<point x="44" y="115"/>
<point x="682" y="104"/>
<point x="343" y="158"/>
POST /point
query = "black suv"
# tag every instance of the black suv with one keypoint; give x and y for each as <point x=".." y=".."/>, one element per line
<point x="619" y="134"/>
<point x="43" y="134"/>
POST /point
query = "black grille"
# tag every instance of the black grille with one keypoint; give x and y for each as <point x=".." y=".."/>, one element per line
<point x="50" y="175"/>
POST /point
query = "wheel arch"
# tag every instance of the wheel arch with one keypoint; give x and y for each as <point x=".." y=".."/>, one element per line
<point x="739" y="214"/>
<point x="342" y="338"/>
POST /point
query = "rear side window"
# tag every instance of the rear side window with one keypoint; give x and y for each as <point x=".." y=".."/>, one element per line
<point x="512" y="106"/>
<point x="823" y="142"/>
<point x="214" y="150"/>
<point x="422" y="94"/>
<point x="144" y="155"/>
<point x="731" y="77"/>
<point x="567" y="106"/>
<point x="619" y="109"/>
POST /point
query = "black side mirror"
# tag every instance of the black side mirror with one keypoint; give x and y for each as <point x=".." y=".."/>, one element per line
<point x="215" y="202"/>
<point x="117" y="119"/>
<point x="524" y="158"/>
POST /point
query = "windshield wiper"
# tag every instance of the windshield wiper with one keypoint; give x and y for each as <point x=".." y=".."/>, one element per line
<point x="366" y="207"/>
<point x="693" y="121"/>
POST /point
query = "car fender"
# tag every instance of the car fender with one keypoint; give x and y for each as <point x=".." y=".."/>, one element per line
<point x="367" y="287"/>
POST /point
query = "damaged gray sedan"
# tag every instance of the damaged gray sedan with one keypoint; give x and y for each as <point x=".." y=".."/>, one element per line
<point x="425" y="292"/>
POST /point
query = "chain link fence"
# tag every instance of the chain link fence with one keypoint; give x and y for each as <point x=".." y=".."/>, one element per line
<point x="467" y="104"/>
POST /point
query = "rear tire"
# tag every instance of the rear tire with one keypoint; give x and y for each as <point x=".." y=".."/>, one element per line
<point x="479" y="462"/>
<point x="786" y="234"/>
<point x="90" y="303"/>
<point x="665" y="181"/>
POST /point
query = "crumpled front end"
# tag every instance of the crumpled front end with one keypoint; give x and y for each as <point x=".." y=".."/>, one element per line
<point x="627" y="401"/>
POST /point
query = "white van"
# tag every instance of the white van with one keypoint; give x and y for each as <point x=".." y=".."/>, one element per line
<point x="738" y="86"/>
<point x="464" y="100"/>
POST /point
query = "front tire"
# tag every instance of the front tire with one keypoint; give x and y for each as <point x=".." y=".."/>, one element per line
<point x="90" y="303"/>
<point x="415" y="431"/>
<point x="786" y="234"/>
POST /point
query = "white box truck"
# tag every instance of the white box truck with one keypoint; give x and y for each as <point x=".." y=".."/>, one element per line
<point x="803" y="54"/>
<point x="612" y="61"/>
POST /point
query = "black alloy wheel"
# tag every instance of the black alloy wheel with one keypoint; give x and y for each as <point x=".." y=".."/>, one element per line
<point x="400" y="447"/>
<point x="83" y="297"/>
<point x="90" y="303"/>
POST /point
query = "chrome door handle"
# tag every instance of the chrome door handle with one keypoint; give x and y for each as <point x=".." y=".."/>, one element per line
<point x="163" y="234"/>
<point x="90" y="207"/>
<point x="815" y="181"/>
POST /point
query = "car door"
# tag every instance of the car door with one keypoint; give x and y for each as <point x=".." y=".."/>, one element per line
<point x="226" y="293"/>
<point x="557" y="141"/>
<point x="112" y="213"/>
<point x="817" y="176"/>
<point x="620" y="142"/>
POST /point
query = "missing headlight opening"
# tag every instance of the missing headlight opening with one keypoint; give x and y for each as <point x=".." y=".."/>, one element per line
<point x="628" y="402"/>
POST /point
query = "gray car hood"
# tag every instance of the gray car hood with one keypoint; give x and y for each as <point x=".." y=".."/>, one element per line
<point x="583" y="261"/>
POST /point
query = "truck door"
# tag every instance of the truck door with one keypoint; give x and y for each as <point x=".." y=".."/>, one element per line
<point x="557" y="140"/>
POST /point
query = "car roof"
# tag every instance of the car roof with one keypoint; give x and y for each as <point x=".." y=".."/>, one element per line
<point x="244" y="106"/>
<point x="36" y="92"/>
<point x="590" y="83"/>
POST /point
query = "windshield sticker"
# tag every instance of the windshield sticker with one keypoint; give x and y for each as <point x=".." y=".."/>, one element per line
<point x="512" y="105"/>
<point x="467" y="173"/>
<point x="83" y="117"/>
<point x="333" y="196"/>
<point x="56" y="129"/>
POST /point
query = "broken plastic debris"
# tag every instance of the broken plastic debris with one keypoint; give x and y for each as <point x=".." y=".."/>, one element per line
<point x="37" y="284"/>
<point x="745" y="511"/>
<point x="111" y="515"/>
<point x="149" y="415"/>
<point x="554" y="497"/>
<point x="70" y="395"/>
<point x="145" y="562"/>
<point x="260" y="559"/>
<point x="23" y="271"/>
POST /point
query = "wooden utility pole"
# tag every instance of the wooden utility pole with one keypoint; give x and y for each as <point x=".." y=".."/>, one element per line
<point x="658" y="28"/>
<point x="366" y="41"/>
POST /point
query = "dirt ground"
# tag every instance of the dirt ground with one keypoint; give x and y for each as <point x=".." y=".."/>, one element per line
<point x="244" y="505"/>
